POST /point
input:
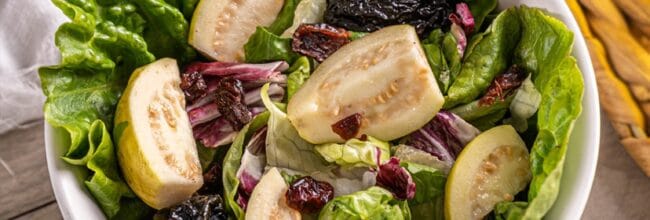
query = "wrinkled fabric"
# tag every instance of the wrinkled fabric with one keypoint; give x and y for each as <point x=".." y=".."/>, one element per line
<point x="27" y="31"/>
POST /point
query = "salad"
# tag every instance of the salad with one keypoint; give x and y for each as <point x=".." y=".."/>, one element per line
<point x="316" y="109"/>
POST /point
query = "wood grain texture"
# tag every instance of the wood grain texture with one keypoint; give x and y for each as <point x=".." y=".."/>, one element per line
<point x="50" y="212"/>
<point x="24" y="180"/>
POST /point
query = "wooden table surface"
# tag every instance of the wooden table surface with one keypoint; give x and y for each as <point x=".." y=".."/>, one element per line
<point x="620" y="190"/>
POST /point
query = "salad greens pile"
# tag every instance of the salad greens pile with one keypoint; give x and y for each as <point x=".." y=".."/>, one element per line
<point x="100" y="47"/>
<point x="106" y="40"/>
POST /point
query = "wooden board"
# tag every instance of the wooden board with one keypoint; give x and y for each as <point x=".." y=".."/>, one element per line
<point x="24" y="181"/>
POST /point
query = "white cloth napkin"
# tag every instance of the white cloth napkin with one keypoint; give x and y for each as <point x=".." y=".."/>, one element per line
<point x="26" y="42"/>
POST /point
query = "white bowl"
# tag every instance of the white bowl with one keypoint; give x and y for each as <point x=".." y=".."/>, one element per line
<point x="75" y="201"/>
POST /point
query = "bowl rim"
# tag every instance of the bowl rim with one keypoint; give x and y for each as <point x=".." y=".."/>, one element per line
<point x="576" y="181"/>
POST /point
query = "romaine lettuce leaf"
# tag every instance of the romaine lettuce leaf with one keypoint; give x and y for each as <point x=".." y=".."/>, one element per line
<point x="373" y="203"/>
<point x="284" y="147"/>
<point x="488" y="58"/>
<point x="355" y="152"/>
<point x="544" y="50"/>
<point x="264" y="46"/>
<point x="232" y="161"/>
<point x="432" y="46"/>
<point x="299" y="72"/>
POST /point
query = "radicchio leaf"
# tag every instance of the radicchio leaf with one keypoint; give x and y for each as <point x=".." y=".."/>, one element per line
<point x="466" y="18"/>
<point x="396" y="179"/>
<point x="443" y="137"/>
<point x="252" y="166"/>
<point x="240" y="71"/>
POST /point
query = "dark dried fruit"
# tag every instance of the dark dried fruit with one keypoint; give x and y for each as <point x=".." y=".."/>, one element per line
<point x="212" y="183"/>
<point x="348" y="127"/>
<point x="230" y="101"/>
<point x="193" y="85"/>
<point x="309" y="195"/>
<point x="504" y="85"/>
<point x="199" y="207"/>
<point x="318" y="41"/>
<point x="396" y="179"/>
<point x="368" y="16"/>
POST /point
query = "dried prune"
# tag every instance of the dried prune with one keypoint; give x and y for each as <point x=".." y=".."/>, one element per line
<point x="199" y="207"/>
<point x="309" y="195"/>
<point x="396" y="179"/>
<point x="193" y="85"/>
<point x="348" y="127"/>
<point x="368" y="16"/>
<point x="230" y="102"/>
<point x="318" y="41"/>
<point x="504" y="85"/>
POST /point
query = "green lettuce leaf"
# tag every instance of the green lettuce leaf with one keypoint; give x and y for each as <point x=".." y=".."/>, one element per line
<point x="166" y="31"/>
<point x="433" y="210"/>
<point x="355" y="152"/>
<point x="100" y="47"/>
<point x="544" y="50"/>
<point x="488" y="58"/>
<point x="452" y="55"/>
<point x="475" y="110"/>
<point x="186" y="7"/>
<point x="284" y="147"/>
<point x="373" y="203"/>
<point x="285" y="17"/>
<point x="429" y="182"/>
<point x="107" y="187"/>
<point x="437" y="60"/>
<point x="524" y="105"/>
<point x="264" y="46"/>
<point x="232" y="161"/>
<point x="480" y="9"/>
<point x="299" y="72"/>
<point x="489" y="121"/>
<point x="509" y="210"/>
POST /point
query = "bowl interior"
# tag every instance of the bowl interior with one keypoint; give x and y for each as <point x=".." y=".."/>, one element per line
<point x="75" y="201"/>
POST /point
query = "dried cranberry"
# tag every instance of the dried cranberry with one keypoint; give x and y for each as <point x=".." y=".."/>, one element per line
<point x="348" y="127"/>
<point x="309" y="195"/>
<point x="230" y="101"/>
<point x="504" y="85"/>
<point x="396" y="179"/>
<point x="319" y="41"/>
<point x="193" y="85"/>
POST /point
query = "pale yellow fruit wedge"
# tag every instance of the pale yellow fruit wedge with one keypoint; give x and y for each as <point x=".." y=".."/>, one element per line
<point x="268" y="199"/>
<point x="492" y="168"/>
<point x="220" y="28"/>
<point x="155" y="147"/>
<point x="383" y="76"/>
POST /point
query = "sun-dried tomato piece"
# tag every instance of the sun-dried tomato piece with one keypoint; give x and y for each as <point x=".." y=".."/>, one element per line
<point x="504" y="85"/>
<point x="309" y="195"/>
<point x="230" y="101"/>
<point x="319" y="41"/>
<point x="348" y="127"/>
<point x="193" y="85"/>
